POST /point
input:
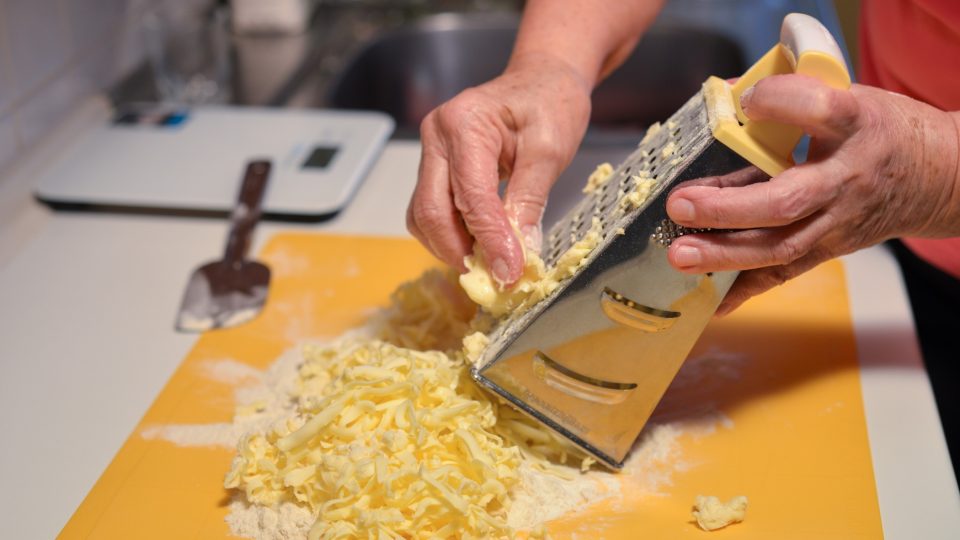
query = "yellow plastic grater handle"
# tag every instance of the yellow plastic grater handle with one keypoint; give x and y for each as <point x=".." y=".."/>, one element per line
<point x="805" y="47"/>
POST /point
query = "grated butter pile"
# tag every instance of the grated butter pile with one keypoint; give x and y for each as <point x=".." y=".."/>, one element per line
<point x="393" y="442"/>
<point x="389" y="442"/>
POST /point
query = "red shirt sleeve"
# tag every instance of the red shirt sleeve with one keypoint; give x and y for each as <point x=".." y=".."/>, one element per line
<point x="912" y="47"/>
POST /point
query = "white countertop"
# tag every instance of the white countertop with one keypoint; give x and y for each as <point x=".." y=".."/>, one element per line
<point x="87" y="303"/>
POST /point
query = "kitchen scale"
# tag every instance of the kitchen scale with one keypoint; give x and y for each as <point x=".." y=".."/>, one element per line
<point x="168" y="159"/>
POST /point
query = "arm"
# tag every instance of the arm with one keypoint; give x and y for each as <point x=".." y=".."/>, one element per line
<point x="524" y="126"/>
<point x="881" y="165"/>
<point x="594" y="38"/>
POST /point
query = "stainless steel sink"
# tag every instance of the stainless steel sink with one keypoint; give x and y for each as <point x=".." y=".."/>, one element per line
<point x="408" y="72"/>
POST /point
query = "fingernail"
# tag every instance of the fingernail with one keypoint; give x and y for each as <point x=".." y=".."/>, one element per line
<point x="687" y="256"/>
<point x="745" y="97"/>
<point x="532" y="237"/>
<point x="501" y="272"/>
<point x="682" y="210"/>
<point x="723" y="310"/>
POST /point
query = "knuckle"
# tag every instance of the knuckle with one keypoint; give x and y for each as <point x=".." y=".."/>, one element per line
<point x="716" y="213"/>
<point x="545" y="144"/>
<point x="469" y="195"/>
<point x="528" y="198"/>
<point x="476" y="210"/>
<point x="426" y="125"/>
<point x="847" y="109"/>
<point x="750" y="284"/>
<point x="789" y="249"/>
<point x="462" y="112"/>
<point x="781" y="275"/>
<point x="791" y="202"/>
<point x="821" y="105"/>
<point x="774" y="277"/>
<point x="834" y="108"/>
<point x="429" y="218"/>
<point x="797" y="196"/>
<point x="411" y="221"/>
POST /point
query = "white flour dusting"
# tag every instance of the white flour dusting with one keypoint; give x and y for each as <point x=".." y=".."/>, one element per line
<point x="286" y="522"/>
<point x="654" y="459"/>
<point x="223" y="435"/>
<point x="263" y="398"/>
<point x="544" y="497"/>
<point x="229" y="371"/>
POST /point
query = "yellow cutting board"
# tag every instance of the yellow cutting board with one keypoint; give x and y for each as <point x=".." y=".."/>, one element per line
<point x="796" y="445"/>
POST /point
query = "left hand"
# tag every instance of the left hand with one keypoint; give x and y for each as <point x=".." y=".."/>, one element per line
<point x="880" y="165"/>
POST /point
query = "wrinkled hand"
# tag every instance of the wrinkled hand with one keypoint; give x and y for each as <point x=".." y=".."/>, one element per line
<point x="880" y="165"/>
<point x="523" y="126"/>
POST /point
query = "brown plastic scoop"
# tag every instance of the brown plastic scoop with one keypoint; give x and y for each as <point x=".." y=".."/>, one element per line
<point x="231" y="291"/>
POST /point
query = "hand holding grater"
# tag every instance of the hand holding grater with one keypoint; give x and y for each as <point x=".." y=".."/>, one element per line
<point x="593" y="359"/>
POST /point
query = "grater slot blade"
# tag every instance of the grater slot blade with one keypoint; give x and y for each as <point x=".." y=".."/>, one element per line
<point x="622" y="310"/>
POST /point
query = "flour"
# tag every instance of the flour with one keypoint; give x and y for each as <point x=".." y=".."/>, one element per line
<point x="543" y="497"/>
<point x="224" y="435"/>
<point x="286" y="522"/>
<point x="715" y="366"/>
<point x="654" y="459"/>
<point x="229" y="371"/>
<point x="261" y="398"/>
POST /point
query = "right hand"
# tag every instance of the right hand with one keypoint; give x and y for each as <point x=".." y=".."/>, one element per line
<point x="524" y="126"/>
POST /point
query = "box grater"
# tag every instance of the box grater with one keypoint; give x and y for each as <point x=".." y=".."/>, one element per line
<point x="592" y="360"/>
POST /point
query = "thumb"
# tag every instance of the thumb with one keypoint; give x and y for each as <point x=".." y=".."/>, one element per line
<point x="526" y="197"/>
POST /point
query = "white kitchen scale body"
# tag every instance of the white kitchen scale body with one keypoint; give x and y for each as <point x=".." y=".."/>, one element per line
<point x="191" y="160"/>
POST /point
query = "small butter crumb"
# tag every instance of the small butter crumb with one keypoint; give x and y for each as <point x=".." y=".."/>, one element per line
<point x="711" y="514"/>
<point x="651" y="131"/>
<point x="643" y="186"/>
<point x="473" y="346"/>
<point x="668" y="149"/>
<point x="598" y="177"/>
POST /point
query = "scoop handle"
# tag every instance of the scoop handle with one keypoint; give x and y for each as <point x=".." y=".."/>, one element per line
<point x="247" y="211"/>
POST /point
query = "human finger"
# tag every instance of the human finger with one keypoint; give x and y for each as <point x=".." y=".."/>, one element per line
<point x="474" y="180"/>
<point x="535" y="171"/>
<point x="820" y="110"/>
<point x="792" y="195"/>
<point x="432" y="217"/>
<point x="749" y="249"/>
<point x="742" y="177"/>
<point x="753" y="282"/>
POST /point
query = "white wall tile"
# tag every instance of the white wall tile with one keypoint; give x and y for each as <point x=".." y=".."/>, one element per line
<point x="8" y="141"/>
<point x="128" y="50"/>
<point x="7" y="88"/>
<point x="50" y="105"/>
<point x="93" y="22"/>
<point x="38" y="42"/>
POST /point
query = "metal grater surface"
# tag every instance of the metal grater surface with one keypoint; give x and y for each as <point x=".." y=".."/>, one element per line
<point x="688" y="131"/>
<point x="593" y="358"/>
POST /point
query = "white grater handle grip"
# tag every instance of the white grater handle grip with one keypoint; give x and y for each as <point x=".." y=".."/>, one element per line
<point x="801" y="34"/>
